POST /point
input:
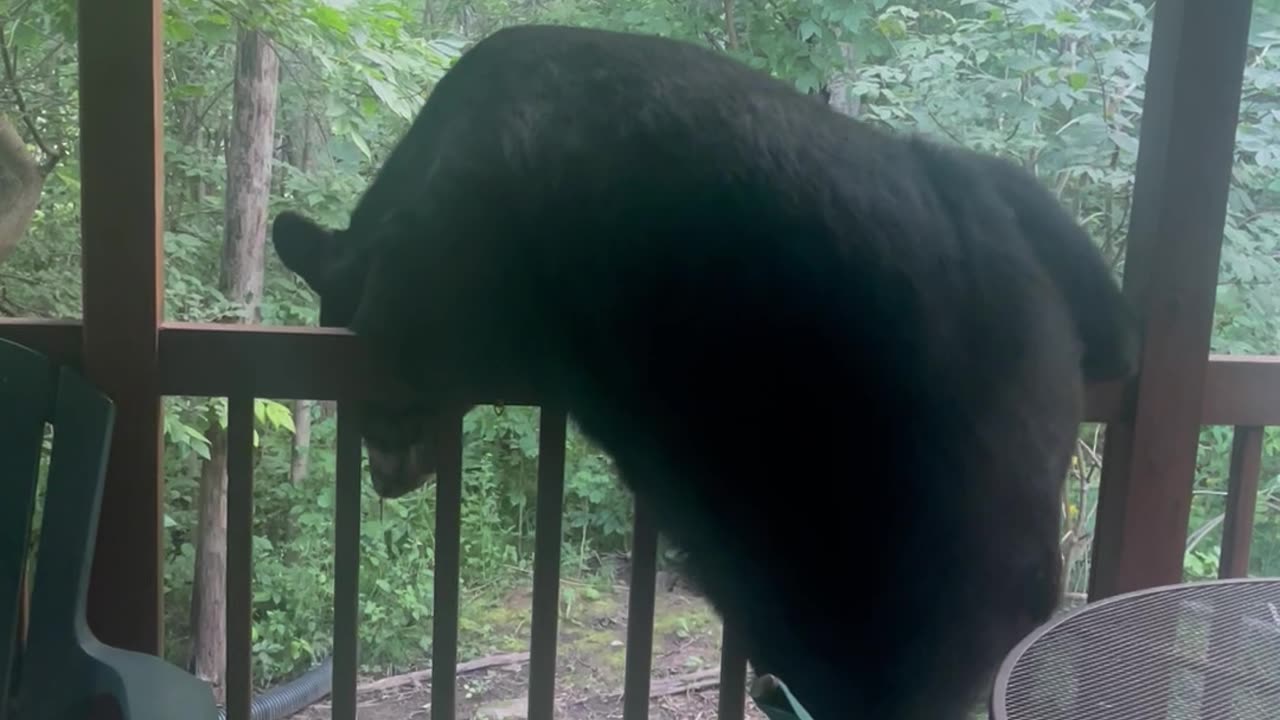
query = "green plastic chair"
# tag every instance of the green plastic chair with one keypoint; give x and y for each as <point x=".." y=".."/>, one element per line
<point x="63" y="669"/>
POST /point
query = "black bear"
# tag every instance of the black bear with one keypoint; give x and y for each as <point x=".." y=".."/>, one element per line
<point x="845" y="366"/>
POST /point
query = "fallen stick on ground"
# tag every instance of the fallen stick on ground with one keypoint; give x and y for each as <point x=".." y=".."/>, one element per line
<point x="421" y="676"/>
<point x="700" y="680"/>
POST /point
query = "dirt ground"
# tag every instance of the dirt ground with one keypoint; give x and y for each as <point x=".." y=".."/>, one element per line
<point x="590" y="662"/>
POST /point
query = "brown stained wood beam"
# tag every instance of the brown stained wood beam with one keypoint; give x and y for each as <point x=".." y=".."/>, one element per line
<point x="216" y="360"/>
<point x="275" y="362"/>
<point x="121" y="209"/>
<point x="1241" y="390"/>
<point x="1104" y="402"/>
<point x="1242" y="499"/>
<point x="59" y="340"/>
<point x="212" y="360"/>
<point x="1175" y="238"/>
<point x="324" y="364"/>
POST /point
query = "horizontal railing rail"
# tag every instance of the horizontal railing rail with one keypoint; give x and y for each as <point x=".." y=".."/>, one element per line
<point x="326" y="364"/>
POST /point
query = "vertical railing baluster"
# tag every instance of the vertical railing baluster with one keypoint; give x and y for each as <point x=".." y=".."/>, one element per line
<point x="640" y="606"/>
<point x="733" y="675"/>
<point x="239" y="578"/>
<point x="346" y="565"/>
<point x="444" y="636"/>
<point x="552" y="433"/>
<point x="1242" y="498"/>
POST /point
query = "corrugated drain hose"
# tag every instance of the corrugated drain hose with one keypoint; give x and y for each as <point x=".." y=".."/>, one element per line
<point x="284" y="700"/>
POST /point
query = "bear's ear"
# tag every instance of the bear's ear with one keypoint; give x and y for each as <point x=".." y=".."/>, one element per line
<point x="306" y="249"/>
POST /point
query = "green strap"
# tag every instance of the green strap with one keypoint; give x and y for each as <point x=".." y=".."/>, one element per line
<point x="781" y="705"/>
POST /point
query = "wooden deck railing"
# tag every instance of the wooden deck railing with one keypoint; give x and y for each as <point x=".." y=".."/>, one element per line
<point x="226" y="361"/>
<point x="208" y="360"/>
<point x="233" y="350"/>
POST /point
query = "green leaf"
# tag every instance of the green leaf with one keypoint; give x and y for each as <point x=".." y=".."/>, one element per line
<point x="808" y="81"/>
<point x="330" y="18"/>
<point x="178" y="30"/>
<point x="277" y="415"/>
<point x="1077" y="80"/>
<point x="390" y="97"/>
<point x="855" y="15"/>
<point x="360" y="143"/>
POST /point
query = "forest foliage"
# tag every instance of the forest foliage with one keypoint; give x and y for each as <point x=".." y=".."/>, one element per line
<point x="1056" y="84"/>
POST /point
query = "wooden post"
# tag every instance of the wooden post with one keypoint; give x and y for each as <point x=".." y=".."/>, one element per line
<point x="1175" y="239"/>
<point x="121" y="159"/>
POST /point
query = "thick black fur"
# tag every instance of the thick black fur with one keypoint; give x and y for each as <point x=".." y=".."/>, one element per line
<point x="797" y="335"/>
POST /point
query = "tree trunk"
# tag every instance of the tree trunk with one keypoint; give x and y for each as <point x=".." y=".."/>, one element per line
<point x="209" y="586"/>
<point x="305" y="146"/>
<point x="301" y="440"/>
<point x="20" y="187"/>
<point x="840" y="83"/>
<point x="249" y="154"/>
<point x="308" y="137"/>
